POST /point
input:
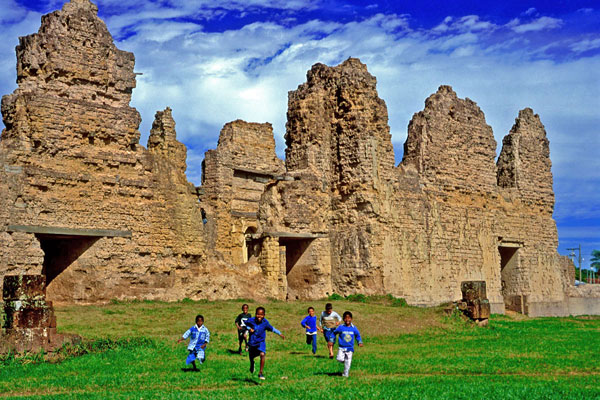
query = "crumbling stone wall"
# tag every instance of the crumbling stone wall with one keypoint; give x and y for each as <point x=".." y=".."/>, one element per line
<point x="233" y="179"/>
<point x="82" y="202"/>
<point x="446" y="214"/>
<point x="71" y="159"/>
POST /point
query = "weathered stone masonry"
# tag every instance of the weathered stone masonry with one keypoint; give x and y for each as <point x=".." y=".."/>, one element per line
<point x="83" y="203"/>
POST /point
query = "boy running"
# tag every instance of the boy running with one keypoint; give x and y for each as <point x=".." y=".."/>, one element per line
<point x="240" y="323"/>
<point x="329" y="321"/>
<point x="199" y="338"/>
<point x="347" y="335"/>
<point x="310" y="323"/>
<point x="258" y="327"/>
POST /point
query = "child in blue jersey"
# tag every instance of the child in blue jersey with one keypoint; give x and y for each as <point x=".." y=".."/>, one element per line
<point x="257" y="346"/>
<point x="347" y="335"/>
<point x="199" y="338"/>
<point x="310" y="324"/>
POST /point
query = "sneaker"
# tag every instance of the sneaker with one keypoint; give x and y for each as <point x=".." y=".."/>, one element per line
<point x="261" y="376"/>
<point x="331" y="357"/>
<point x="251" y="367"/>
<point x="246" y="350"/>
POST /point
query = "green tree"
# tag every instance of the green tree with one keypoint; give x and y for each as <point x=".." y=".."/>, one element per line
<point x="595" y="261"/>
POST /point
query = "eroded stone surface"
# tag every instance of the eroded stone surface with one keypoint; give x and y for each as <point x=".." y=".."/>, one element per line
<point x="339" y="216"/>
<point x="29" y="321"/>
<point x="69" y="157"/>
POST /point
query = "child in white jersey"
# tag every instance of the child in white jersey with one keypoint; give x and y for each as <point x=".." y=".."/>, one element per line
<point x="329" y="321"/>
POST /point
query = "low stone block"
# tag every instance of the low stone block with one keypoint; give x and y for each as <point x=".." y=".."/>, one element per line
<point x="472" y="290"/>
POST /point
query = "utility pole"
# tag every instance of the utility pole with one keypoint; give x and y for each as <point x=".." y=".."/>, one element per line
<point x="572" y="250"/>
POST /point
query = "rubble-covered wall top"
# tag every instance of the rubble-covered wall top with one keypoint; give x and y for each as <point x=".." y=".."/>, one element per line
<point x="451" y="145"/>
<point x="163" y="139"/>
<point x="72" y="71"/>
<point x="337" y="126"/>
<point x="524" y="162"/>
<point x="249" y="145"/>
<point x="73" y="48"/>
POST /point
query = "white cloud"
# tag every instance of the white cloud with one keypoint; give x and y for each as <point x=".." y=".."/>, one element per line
<point x="585" y="45"/>
<point x="540" y="24"/>
<point x="468" y="23"/>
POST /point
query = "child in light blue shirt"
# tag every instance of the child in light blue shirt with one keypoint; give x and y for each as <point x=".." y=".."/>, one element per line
<point x="199" y="338"/>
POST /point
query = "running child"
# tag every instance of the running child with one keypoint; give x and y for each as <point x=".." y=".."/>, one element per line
<point x="240" y="323"/>
<point x="257" y="346"/>
<point x="310" y="324"/>
<point x="199" y="338"/>
<point x="347" y="335"/>
<point x="329" y="321"/>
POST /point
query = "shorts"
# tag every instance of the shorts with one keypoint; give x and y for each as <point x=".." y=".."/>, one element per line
<point x="242" y="334"/>
<point x="329" y="335"/>
<point x="254" y="351"/>
<point x="195" y="355"/>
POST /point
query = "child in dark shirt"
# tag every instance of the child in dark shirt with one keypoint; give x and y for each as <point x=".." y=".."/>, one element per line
<point x="310" y="323"/>
<point x="240" y="323"/>
<point x="258" y="327"/>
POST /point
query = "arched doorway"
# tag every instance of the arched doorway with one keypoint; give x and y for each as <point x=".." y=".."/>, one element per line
<point x="249" y="247"/>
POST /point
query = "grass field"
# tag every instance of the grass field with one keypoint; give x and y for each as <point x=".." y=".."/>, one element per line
<point x="412" y="353"/>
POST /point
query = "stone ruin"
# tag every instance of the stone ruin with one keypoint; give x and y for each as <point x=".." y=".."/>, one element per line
<point x="102" y="217"/>
<point x="474" y="303"/>
<point x="29" y="320"/>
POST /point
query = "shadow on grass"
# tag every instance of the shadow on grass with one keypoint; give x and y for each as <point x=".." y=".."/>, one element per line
<point x="329" y="373"/>
<point x="190" y="369"/>
<point x="306" y="354"/>
<point x="247" y="380"/>
<point x="237" y="353"/>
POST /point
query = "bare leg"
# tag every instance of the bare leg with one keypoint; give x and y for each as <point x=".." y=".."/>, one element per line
<point x="262" y="362"/>
<point x="330" y="348"/>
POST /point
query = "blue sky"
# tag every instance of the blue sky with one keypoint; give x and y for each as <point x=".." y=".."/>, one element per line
<point x="216" y="61"/>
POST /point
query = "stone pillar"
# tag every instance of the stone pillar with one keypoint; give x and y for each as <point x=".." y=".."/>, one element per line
<point x="29" y="321"/>
<point x="283" y="283"/>
<point x="269" y="262"/>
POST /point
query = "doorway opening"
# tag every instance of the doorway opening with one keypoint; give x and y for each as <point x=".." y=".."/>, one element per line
<point x="62" y="251"/>
<point x="298" y="267"/>
<point x="251" y="246"/>
<point x="511" y="276"/>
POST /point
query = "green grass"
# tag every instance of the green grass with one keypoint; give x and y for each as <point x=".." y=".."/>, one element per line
<point x="409" y="353"/>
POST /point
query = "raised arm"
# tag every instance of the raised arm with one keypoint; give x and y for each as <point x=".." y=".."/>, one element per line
<point x="185" y="335"/>
<point x="271" y="328"/>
